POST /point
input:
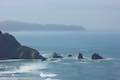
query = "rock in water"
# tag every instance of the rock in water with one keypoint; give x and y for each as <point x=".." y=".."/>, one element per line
<point x="96" y="56"/>
<point x="10" y="48"/>
<point x="70" y="55"/>
<point x="80" y="56"/>
<point x="55" y="55"/>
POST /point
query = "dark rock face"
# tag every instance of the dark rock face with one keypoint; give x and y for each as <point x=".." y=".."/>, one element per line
<point x="55" y="55"/>
<point x="29" y="53"/>
<point x="10" y="48"/>
<point x="80" y="56"/>
<point x="96" y="56"/>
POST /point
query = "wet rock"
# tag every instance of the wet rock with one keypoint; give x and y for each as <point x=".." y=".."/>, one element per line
<point x="96" y="56"/>
<point x="29" y="53"/>
<point x="69" y="55"/>
<point x="80" y="56"/>
<point x="55" y="55"/>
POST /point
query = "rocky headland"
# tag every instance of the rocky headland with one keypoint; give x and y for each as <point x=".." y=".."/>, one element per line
<point x="10" y="48"/>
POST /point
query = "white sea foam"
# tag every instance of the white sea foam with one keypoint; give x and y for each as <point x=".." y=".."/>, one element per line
<point x="54" y="60"/>
<point x="25" y="68"/>
<point x="47" y="75"/>
<point x="31" y="67"/>
<point x="108" y="59"/>
<point x="14" y="78"/>
<point x="51" y="79"/>
<point x="11" y="60"/>
<point x="105" y="59"/>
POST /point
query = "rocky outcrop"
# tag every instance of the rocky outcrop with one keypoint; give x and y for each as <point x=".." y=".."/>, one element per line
<point x="29" y="53"/>
<point x="10" y="48"/>
<point x="70" y="55"/>
<point x="96" y="56"/>
<point x="80" y="56"/>
<point x="55" y="55"/>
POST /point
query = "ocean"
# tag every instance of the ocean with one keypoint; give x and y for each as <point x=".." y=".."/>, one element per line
<point x="66" y="42"/>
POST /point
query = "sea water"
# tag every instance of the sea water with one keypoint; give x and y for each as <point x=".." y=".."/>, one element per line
<point x="105" y="43"/>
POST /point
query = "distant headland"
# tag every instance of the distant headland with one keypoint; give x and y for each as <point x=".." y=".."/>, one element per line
<point x="23" y="26"/>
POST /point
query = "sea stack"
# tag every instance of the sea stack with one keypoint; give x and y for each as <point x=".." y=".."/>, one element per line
<point x="96" y="56"/>
<point x="55" y="55"/>
<point x="80" y="56"/>
<point x="10" y="48"/>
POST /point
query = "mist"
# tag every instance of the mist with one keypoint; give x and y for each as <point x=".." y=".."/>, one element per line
<point x="94" y="15"/>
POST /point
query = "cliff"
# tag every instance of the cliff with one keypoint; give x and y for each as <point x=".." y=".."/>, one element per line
<point x="10" y="48"/>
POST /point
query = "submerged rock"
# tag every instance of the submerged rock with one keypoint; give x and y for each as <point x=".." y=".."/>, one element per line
<point x="96" y="56"/>
<point x="55" y="55"/>
<point x="70" y="55"/>
<point x="80" y="56"/>
<point x="10" y="48"/>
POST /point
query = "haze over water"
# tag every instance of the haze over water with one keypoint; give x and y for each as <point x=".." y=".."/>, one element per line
<point x="94" y="15"/>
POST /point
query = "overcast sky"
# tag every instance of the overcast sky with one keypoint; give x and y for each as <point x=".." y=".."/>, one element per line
<point x="95" y="15"/>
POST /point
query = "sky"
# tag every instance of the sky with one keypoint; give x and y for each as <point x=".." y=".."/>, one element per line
<point x="94" y="15"/>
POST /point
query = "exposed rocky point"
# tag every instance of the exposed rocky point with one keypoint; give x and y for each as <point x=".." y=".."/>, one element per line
<point x="96" y="56"/>
<point x="80" y="56"/>
<point x="10" y="48"/>
<point x="55" y="55"/>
